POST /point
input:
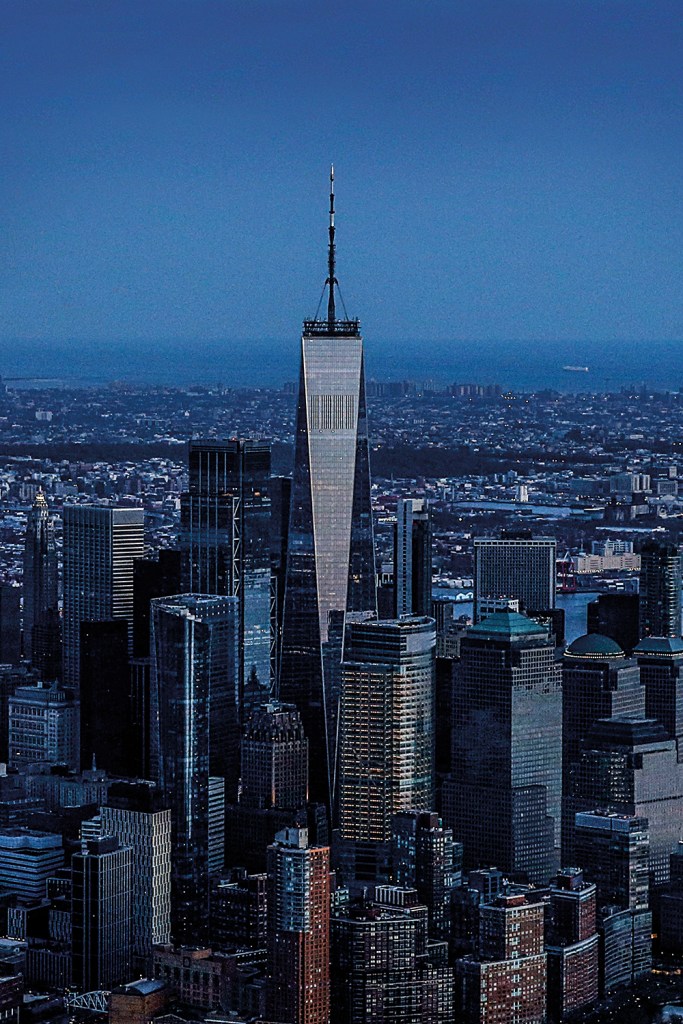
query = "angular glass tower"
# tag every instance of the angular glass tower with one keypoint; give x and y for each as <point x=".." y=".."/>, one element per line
<point x="331" y="563"/>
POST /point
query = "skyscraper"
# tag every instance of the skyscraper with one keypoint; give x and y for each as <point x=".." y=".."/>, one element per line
<point x="225" y="544"/>
<point x="598" y="681"/>
<point x="101" y="887"/>
<point x="152" y="577"/>
<point x="106" y="704"/>
<point x="425" y="858"/>
<point x="386" y="746"/>
<point x="614" y="850"/>
<point x="331" y="551"/>
<point x="413" y="557"/>
<point x="503" y="799"/>
<point x="194" y="684"/>
<point x="631" y="766"/>
<point x="660" y="589"/>
<point x="517" y="566"/>
<point x="298" y="930"/>
<point x="135" y="814"/>
<point x="660" y="660"/>
<point x="274" y="759"/>
<point x="100" y="545"/>
<point x="273" y="784"/>
<point x="40" y="571"/>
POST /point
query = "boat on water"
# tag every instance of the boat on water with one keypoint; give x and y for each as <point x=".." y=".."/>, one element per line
<point x="576" y="369"/>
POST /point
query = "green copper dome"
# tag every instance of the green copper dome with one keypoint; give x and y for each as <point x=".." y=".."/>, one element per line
<point x="506" y="624"/>
<point x="662" y="646"/>
<point x="594" y="647"/>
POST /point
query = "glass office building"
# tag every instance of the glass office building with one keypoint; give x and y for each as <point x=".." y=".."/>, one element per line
<point x="194" y="711"/>
<point x="225" y="544"/>
<point x="331" y="552"/>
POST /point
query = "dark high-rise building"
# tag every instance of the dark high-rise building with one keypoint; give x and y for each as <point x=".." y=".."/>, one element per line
<point x="571" y="944"/>
<point x="274" y="759"/>
<point x="517" y="566"/>
<point x="273" y="784"/>
<point x="598" y="681"/>
<point x="40" y="573"/>
<point x="507" y="980"/>
<point x="10" y="624"/>
<point x="615" y="616"/>
<point x="660" y="660"/>
<point x="386" y="759"/>
<point x="382" y="966"/>
<point x="413" y="557"/>
<point x="105" y="692"/>
<point x="614" y="850"/>
<point x="225" y="543"/>
<point x="281" y="499"/>
<point x="298" y="930"/>
<point x="101" y="888"/>
<point x="660" y="589"/>
<point x="631" y="766"/>
<point x="239" y="917"/>
<point x="101" y="545"/>
<point x="425" y="858"/>
<point x="331" y="565"/>
<point x="152" y="577"/>
<point x="194" y="674"/>
<point x="504" y="796"/>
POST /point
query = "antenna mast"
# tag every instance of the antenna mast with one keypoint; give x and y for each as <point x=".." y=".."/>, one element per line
<point x="331" y="279"/>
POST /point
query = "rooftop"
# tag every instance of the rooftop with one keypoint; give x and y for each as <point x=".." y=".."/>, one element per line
<point x="660" y="646"/>
<point x="594" y="647"/>
<point x="506" y="625"/>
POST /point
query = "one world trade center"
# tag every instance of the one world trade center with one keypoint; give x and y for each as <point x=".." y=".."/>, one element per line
<point x="330" y="562"/>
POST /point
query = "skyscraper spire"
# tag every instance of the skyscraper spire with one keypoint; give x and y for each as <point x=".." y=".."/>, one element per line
<point x="330" y="560"/>
<point x="331" y="279"/>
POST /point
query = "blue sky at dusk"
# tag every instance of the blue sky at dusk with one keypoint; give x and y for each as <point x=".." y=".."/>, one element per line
<point x="504" y="169"/>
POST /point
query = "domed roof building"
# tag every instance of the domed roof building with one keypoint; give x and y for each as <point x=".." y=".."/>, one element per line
<point x="594" y="647"/>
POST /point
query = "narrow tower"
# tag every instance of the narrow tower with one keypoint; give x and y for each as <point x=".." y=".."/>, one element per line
<point x="40" y="576"/>
<point x="331" y="564"/>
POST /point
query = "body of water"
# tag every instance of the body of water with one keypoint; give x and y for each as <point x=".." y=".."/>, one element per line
<point x="525" y="365"/>
<point x="574" y="608"/>
<point x="548" y="511"/>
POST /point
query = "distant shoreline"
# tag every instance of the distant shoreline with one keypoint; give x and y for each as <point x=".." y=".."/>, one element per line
<point x="519" y="366"/>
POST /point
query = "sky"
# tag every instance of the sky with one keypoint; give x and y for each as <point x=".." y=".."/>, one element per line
<point x="505" y="169"/>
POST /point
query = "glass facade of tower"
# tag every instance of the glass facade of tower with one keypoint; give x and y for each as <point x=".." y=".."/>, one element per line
<point x="503" y="800"/>
<point x="386" y="754"/>
<point x="194" y="649"/>
<point x="660" y="589"/>
<point x="331" y="552"/>
<point x="225" y="542"/>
